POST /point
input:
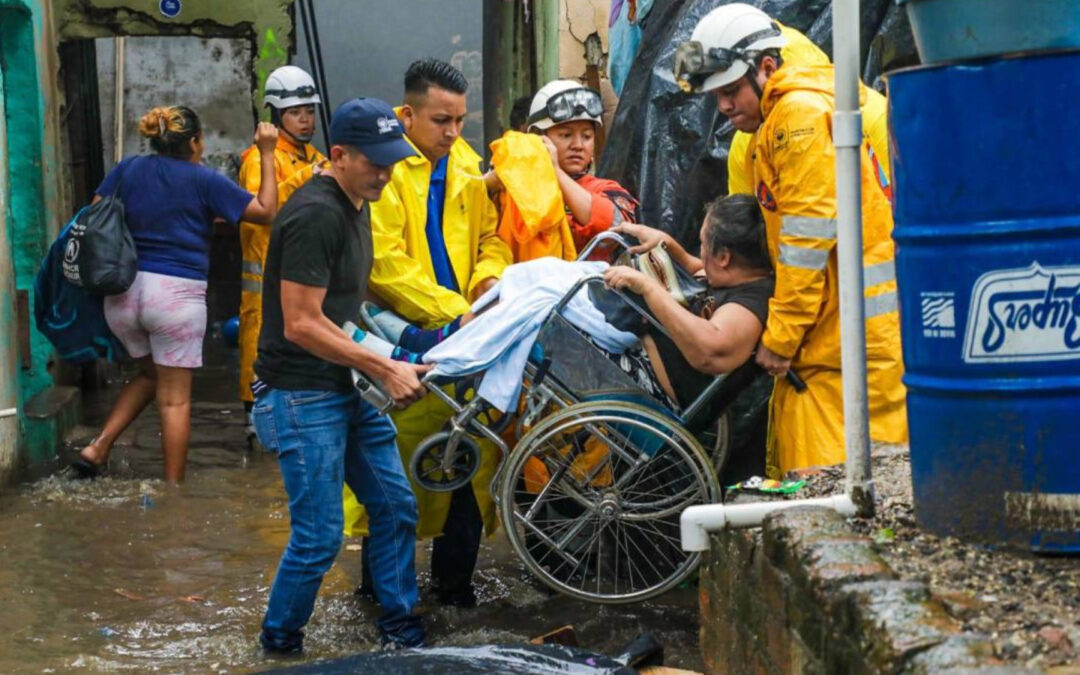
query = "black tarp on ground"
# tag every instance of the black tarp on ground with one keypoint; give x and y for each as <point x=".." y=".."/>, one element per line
<point x="485" y="660"/>
<point x="670" y="148"/>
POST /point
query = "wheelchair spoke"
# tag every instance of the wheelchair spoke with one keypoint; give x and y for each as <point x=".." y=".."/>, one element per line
<point x="592" y="495"/>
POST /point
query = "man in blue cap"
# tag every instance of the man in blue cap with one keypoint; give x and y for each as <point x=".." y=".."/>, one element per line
<point x="306" y="409"/>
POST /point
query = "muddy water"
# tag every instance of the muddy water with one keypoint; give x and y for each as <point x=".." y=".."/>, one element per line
<point x="126" y="574"/>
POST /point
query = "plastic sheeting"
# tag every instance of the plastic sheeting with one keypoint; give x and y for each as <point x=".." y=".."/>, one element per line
<point x="670" y="149"/>
<point x="510" y="659"/>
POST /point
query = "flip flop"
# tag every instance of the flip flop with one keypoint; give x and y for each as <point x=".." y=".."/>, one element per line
<point x="85" y="469"/>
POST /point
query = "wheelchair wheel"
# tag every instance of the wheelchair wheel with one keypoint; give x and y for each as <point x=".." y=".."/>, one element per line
<point x="427" y="468"/>
<point x="591" y="499"/>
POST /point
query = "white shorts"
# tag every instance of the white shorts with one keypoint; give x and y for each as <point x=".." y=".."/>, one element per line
<point x="161" y="316"/>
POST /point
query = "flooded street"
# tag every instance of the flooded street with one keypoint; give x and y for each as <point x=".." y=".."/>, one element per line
<point x="126" y="574"/>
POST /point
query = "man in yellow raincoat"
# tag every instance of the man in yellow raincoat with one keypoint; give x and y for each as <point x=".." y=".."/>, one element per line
<point x="734" y="52"/>
<point x="800" y="52"/>
<point x="436" y="250"/>
<point x="291" y="96"/>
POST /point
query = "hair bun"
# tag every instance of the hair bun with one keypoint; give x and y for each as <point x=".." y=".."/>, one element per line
<point x="155" y="123"/>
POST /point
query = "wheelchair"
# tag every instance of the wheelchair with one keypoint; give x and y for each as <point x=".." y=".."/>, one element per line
<point x="591" y="493"/>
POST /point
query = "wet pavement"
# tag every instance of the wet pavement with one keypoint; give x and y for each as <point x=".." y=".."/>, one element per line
<point x="127" y="574"/>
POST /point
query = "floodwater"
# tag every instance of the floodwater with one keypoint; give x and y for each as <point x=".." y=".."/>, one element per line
<point x="127" y="574"/>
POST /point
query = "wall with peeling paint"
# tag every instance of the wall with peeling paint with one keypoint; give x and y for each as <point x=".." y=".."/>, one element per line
<point x="266" y="22"/>
<point x="210" y="75"/>
<point x="34" y="204"/>
<point x="583" y="41"/>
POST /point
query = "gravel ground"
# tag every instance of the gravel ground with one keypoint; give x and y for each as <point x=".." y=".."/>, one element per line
<point x="1029" y="605"/>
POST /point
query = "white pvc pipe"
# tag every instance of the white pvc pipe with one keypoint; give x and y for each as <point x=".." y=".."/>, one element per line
<point x="118" y="153"/>
<point x="697" y="521"/>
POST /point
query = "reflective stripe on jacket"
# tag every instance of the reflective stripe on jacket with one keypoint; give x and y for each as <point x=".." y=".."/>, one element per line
<point x="796" y="187"/>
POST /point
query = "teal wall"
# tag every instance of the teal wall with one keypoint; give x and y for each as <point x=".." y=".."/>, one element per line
<point x="32" y="206"/>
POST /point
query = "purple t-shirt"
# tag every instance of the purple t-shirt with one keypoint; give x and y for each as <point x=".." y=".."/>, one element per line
<point x="170" y="206"/>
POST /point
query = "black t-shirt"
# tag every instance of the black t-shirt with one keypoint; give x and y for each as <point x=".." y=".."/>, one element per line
<point x="687" y="382"/>
<point x="318" y="239"/>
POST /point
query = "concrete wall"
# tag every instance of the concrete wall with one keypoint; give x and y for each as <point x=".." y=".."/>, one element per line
<point x="34" y="189"/>
<point x="264" y="22"/>
<point x="806" y="594"/>
<point x="583" y="41"/>
<point x="368" y="44"/>
<point x="210" y="75"/>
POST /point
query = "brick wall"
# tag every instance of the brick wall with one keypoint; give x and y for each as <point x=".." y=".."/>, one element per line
<point x="806" y="594"/>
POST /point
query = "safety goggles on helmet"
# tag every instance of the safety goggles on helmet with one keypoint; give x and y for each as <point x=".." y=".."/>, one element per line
<point x="305" y="91"/>
<point x="694" y="63"/>
<point x="569" y="104"/>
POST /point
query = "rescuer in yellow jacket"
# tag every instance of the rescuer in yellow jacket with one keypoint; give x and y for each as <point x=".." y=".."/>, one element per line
<point x="800" y="52"/>
<point x="436" y="250"/>
<point x="735" y="52"/>
<point x="291" y="96"/>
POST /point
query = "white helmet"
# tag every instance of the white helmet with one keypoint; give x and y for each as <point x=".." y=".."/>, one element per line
<point x="289" y="86"/>
<point x="561" y="101"/>
<point x="723" y="47"/>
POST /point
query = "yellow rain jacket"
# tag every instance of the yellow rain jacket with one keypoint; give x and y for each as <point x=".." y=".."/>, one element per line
<point x="796" y="174"/>
<point x="532" y="219"/>
<point x="402" y="274"/>
<point x="403" y="277"/>
<point x="289" y="161"/>
<point x="800" y="52"/>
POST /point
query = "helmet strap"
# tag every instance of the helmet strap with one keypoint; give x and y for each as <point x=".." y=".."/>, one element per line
<point x="751" y="76"/>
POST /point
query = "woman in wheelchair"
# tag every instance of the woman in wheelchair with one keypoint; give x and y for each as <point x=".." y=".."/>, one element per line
<point x="590" y="496"/>
<point x="717" y="334"/>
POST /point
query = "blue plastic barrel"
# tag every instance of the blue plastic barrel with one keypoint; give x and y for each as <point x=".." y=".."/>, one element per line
<point x="949" y="30"/>
<point x="986" y="170"/>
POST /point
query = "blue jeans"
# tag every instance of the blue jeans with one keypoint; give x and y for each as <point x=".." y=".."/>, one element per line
<point x="322" y="438"/>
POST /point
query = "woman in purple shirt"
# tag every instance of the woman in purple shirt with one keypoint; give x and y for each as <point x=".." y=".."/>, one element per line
<point x="170" y="204"/>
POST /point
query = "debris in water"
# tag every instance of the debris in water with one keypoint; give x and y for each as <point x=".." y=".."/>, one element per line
<point x="128" y="594"/>
<point x="560" y="636"/>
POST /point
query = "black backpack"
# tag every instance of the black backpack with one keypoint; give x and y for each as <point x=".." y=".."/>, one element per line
<point x="100" y="254"/>
<point x="71" y="317"/>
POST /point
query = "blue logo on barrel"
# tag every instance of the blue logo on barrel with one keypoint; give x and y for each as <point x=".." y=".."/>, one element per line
<point x="1026" y="314"/>
<point x="169" y="8"/>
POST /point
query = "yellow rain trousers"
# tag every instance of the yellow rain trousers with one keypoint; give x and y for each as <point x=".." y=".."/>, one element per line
<point x="796" y="174"/>
<point x="532" y="219"/>
<point x="800" y="52"/>
<point x="290" y="162"/>
<point x="403" y="279"/>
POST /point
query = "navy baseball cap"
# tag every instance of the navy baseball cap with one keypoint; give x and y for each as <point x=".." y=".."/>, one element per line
<point x="370" y="126"/>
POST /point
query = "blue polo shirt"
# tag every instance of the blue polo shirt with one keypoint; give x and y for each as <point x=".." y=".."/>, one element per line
<point x="170" y="206"/>
<point x="440" y="259"/>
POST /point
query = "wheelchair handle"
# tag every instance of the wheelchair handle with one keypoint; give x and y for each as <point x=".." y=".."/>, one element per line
<point x="620" y="239"/>
<point x="370" y="392"/>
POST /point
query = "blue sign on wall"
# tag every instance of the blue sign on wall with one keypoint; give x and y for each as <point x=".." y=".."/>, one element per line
<point x="170" y="8"/>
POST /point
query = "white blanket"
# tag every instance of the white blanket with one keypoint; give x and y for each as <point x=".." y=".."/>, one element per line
<point x="499" y="340"/>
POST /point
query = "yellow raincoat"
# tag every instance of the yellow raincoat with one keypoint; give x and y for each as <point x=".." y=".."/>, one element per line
<point x="532" y="220"/>
<point x="800" y="52"/>
<point x="403" y="278"/>
<point x="289" y="161"/>
<point x="796" y="174"/>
